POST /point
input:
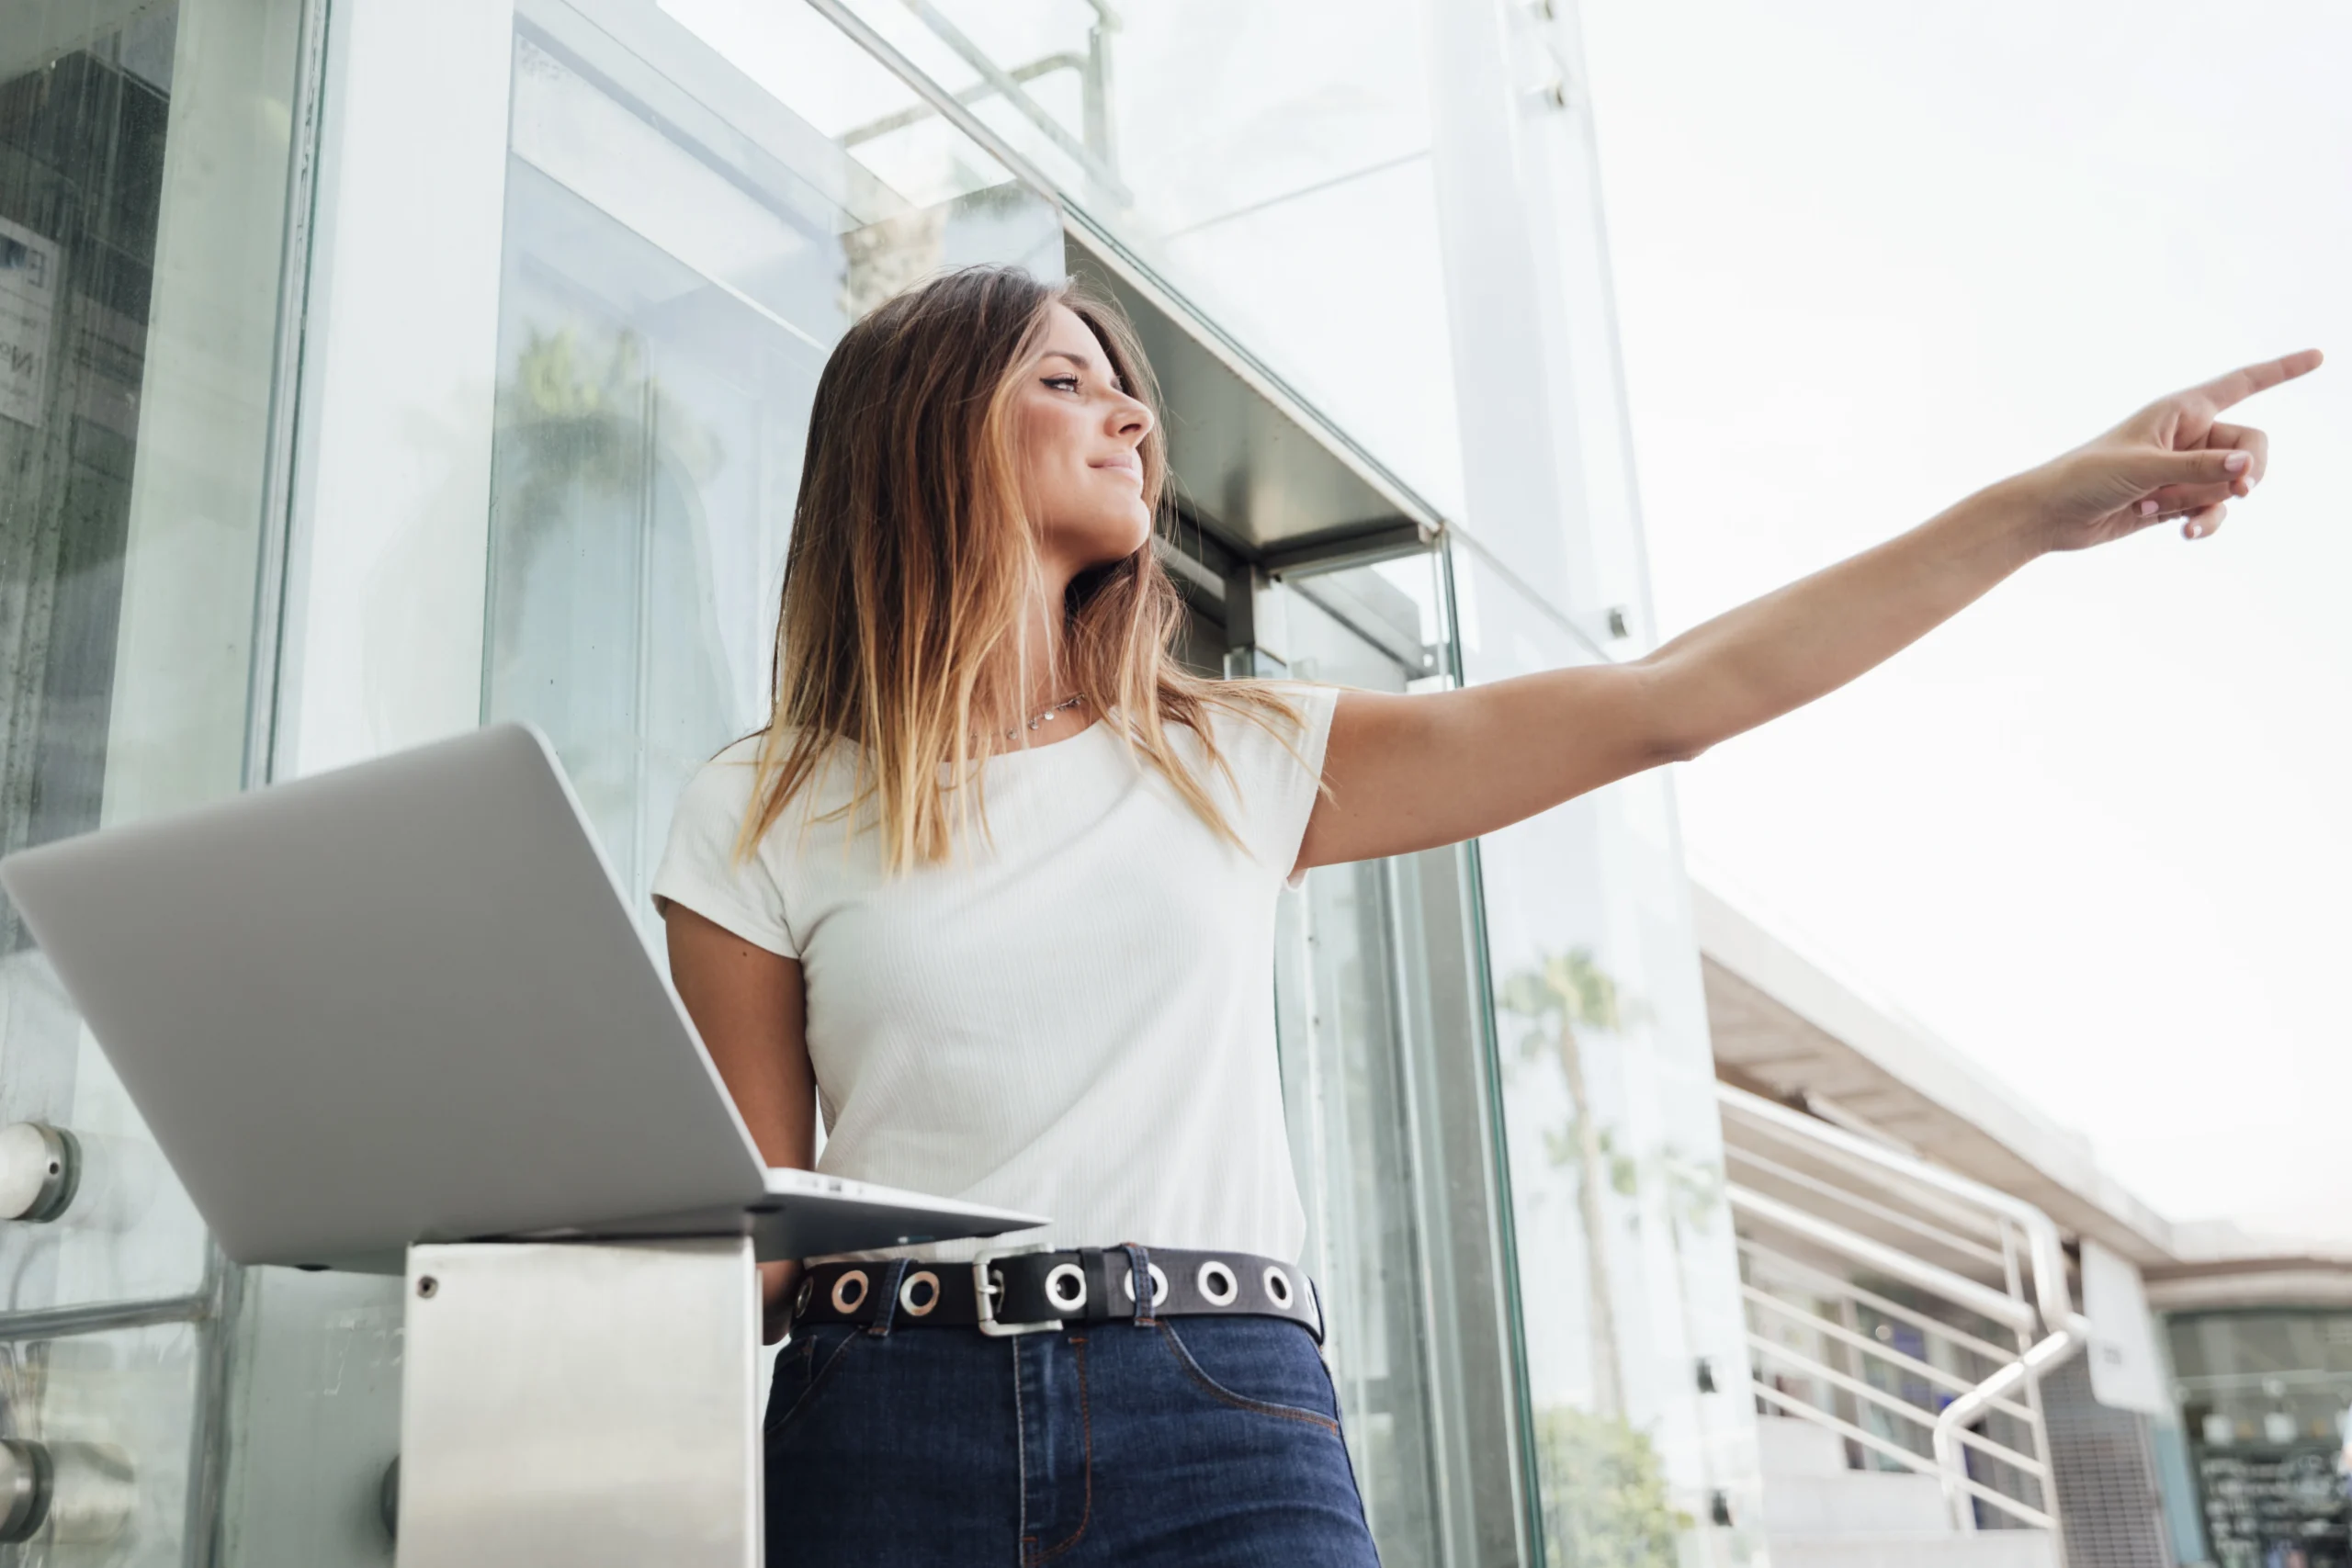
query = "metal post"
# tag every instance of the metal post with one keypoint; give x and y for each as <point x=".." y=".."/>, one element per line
<point x="580" y="1405"/>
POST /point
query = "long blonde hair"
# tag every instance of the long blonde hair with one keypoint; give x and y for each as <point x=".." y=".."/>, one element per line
<point x="912" y="562"/>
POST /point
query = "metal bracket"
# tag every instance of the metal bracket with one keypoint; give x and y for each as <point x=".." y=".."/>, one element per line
<point x="40" y="1170"/>
<point x="581" y="1404"/>
<point x="66" y="1493"/>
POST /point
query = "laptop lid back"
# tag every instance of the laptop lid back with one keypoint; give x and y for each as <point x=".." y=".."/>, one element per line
<point x="400" y="1001"/>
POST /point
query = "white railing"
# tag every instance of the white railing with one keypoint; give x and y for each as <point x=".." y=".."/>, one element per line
<point x="1823" y="1216"/>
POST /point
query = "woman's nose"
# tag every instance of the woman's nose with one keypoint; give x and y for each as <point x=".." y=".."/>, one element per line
<point x="1131" y="417"/>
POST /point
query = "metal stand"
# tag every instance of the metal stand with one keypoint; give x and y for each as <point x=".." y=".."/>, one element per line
<point x="585" y="1405"/>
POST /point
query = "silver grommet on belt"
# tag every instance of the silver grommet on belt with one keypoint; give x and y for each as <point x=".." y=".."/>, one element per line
<point x="1277" y="1286"/>
<point x="1225" y="1288"/>
<point x="1158" y="1283"/>
<point x="907" y="1293"/>
<point x="854" y="1277"/>
<point x="808" y="1289"/>
<point x="1066" y="1275"/>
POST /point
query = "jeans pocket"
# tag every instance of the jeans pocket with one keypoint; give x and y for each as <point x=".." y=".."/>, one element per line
<point x="1262" y="1364"/>
<point x="805" y="1369"/>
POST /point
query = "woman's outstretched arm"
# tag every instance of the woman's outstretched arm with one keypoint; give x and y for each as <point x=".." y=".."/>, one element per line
<point x="1409" y="772"/>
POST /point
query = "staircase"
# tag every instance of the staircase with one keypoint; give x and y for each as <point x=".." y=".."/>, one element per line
<point x="1820" y="1514"/>
<point x="1903" y="1315"/>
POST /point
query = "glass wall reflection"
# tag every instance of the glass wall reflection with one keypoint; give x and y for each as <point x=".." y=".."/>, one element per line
<point x="1627" y="1276"/>
<point x="671" y="287"/>
<point x="144" y="156"/>
<point x="1269" y="160"/>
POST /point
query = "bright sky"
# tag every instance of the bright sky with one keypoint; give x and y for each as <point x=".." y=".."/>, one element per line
<point x="2097" y="834"/>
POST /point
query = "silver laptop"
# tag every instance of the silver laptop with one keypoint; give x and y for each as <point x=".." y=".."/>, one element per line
<point x="403" y="1001"/>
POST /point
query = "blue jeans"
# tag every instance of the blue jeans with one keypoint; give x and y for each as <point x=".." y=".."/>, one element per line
<point x="1205" y="1442"/>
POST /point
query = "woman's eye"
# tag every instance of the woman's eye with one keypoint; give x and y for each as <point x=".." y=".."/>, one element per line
<point x="1064" y="383"/>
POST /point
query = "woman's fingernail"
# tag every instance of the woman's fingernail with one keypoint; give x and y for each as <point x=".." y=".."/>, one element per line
<point x="2236" y="462"/>
<point x="2148" y="508"/>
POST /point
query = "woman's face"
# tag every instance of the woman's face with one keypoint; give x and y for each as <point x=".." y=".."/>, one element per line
<point x="1081" y="434"/>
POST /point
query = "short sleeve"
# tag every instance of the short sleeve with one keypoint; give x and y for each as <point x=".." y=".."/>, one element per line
<point x="698" y="867"/>
<point x="1279" y="783"/>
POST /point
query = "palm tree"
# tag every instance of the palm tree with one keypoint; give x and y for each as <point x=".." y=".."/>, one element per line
<point x="1565" y="993"/>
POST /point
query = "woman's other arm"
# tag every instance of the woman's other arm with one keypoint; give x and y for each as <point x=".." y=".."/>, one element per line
<point x="748" y="1005"/>
<point x="1410" y="772"/>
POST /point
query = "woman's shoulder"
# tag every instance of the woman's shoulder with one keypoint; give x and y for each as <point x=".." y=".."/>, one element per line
<point x="725" y="781"/>
<point x="743" y="755"/>
<point x="727" y="788"/>
<point x="740" y="753"/>
<point x="1281" y="715"/>
<point x="1267" y="737"/>
<point x="726" y="774"/>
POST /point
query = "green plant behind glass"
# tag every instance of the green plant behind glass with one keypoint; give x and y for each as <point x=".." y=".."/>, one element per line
<point x="1604" y="1493"/>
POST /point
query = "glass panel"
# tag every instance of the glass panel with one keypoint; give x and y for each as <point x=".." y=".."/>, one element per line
<point x="314" y="1421"/>
<point x="1269" y="160"/>
<point x="1626" y="1267"/>
<point x="82" y="152"/>
<point x="144" y="171"/>
<point x="1384" y="1076"/>
<point x="114" y="1411"/>
<point x="682" y="252"/>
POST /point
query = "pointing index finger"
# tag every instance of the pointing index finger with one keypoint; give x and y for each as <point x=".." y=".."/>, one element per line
<point x="2242" y="384"/>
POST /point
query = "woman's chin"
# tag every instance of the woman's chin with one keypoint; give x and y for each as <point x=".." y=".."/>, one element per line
<point x="1109" y="544"/>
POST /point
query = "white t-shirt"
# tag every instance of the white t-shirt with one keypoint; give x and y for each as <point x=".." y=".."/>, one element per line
<point x="1075" y="1019"/>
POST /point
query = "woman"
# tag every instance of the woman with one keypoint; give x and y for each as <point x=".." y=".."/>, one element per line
<point x="996" y="889"/>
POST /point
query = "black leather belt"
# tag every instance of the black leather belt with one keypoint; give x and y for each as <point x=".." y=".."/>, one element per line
<point x="1018" y="1292"/>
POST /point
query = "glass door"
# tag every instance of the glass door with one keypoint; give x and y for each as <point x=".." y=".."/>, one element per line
<point x="144" y="173"/>
<point x="1391" y="1117"/>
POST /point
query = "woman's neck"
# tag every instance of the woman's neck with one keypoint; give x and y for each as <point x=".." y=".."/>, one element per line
<point x="1044" y="685"/>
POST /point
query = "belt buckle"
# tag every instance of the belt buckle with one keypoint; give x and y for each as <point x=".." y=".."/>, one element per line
<point x="983" y="1294"/>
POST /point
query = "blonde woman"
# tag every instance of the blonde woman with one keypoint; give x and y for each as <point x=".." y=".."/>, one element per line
<point x="995" y="890"/>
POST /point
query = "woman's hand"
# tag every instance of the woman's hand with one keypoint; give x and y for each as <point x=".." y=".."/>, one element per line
<point x="2174" y="458"/>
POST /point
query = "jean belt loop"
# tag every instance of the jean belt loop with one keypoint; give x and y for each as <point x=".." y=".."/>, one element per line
<point x="886" y="1311"/>
<point x="1139" y="1282"/>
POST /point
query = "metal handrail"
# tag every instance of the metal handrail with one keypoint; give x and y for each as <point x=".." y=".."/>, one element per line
<point x="2045" y="1251"/>
<point x="1884" y="1212"/>
<point x="1848" y="1291"/>
<point x="1944" y="1206"/>
<point x="2049" y="1314"/>
<point x="1877" y="1256"/>
<point x="1892" y="1404"/>
<point x="1012" y="93"/>
<point x="2023" y="1511"/>
<point x="1926" y="1371"/>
